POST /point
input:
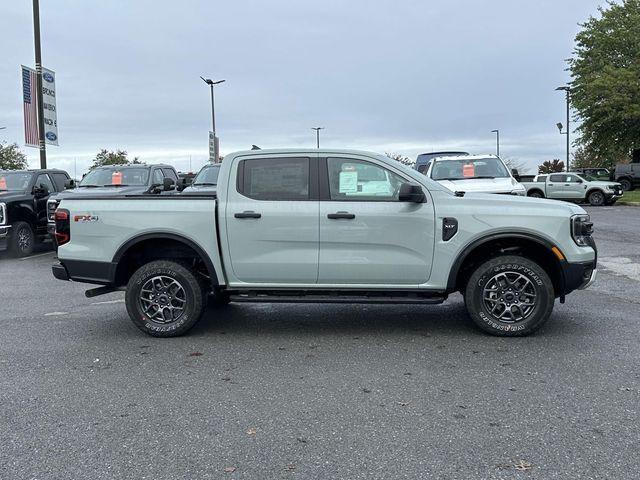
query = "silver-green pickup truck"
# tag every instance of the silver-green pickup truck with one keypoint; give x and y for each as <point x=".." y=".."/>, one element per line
<point x="574" y="187"/>
<point x="326" y="226"/>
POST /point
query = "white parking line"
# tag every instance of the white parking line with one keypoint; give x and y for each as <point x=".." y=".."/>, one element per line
<point x="55" y="314"/>
<point x="108" y="302"/>
<point x="38" y="255"/>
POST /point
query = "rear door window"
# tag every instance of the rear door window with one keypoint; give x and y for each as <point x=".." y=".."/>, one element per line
<point x="274" y="179"/>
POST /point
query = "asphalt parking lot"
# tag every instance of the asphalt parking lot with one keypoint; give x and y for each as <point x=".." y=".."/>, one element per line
<point x="315" y="392"/>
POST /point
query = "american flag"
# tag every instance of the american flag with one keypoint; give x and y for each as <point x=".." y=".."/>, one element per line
<point x="29" y="98"/>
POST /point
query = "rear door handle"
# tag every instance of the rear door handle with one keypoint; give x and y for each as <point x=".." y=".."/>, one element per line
<point x="339" y="215"/>
<point x="248" y="214"/>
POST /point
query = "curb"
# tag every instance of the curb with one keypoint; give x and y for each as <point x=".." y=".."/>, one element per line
<point x="630" y="204"/>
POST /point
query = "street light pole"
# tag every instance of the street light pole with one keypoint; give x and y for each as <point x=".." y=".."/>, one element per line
<point x="40" y="105"/>
<point x="216" y="146"/>
<point x="317" y="129"/>
<point x="497" y="132"/>
<point x="567" y="90"/>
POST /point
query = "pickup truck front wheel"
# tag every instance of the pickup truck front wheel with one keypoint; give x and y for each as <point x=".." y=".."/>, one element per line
<point x="165" y="298"/>
<point x="509" y="296"/>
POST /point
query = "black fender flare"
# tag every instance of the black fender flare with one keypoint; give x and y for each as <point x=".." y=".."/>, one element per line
<point x="467" y="249"/>
<point x="124" y="248"/>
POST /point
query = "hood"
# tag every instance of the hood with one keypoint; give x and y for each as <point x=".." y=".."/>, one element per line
<point x="199" y="190"/>
<point x="603" y="184"/>
<point x="516" y="201"/>
<point x="482" y="185"/>
<point x="6" y="197"/>
<point x="99" y="191"/>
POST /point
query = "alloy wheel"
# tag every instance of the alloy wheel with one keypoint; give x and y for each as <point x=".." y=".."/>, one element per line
<point x="509" y="297"/>
<point x="162" y="299"/>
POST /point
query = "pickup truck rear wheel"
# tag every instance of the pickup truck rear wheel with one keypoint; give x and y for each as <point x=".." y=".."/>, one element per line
<point x="165" y="298"/>
<point x="536" y="194"/>
<point x="509" y="296"/>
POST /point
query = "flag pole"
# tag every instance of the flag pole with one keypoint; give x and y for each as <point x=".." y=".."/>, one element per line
<point x="39" y="101"/>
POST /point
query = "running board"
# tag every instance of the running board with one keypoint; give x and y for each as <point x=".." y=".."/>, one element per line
<point x="336" y="296"/>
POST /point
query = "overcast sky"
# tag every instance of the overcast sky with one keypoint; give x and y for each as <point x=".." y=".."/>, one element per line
<point x="397" y="76"/>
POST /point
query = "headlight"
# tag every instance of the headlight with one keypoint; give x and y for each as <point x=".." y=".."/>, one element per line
<point x="3" y="214"/>
<point x="611" y="187"/>
<point x="581" y="230"/>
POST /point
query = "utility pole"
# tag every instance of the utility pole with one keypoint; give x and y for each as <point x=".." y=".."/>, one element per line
<point x="567" y="90"/>
<point x="317" y="129"/>
<point x="216" y="145"/>
<point x="36" y="39"/>
<point x="497" y="132"/>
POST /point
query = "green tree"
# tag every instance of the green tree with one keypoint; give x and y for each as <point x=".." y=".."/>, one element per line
<point x="605" y="86"/>
<point x="107" y="157"/>
<point x="11" y="158"/>
<point x="400" y="158"/>
<point x="551" y="166"/>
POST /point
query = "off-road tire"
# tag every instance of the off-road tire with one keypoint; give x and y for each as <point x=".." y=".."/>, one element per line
<point x="168" y="287"/>
<point x="536" y="281"/>
<point x="596" y="198"/>
<point x="22" y="239"/>
<point x="626" y="184"/>
<point x="535" y="194"/>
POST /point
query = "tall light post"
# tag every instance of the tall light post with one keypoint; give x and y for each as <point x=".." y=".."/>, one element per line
<point x="497" y="132"/>
<point x="567" y="90"/>
<point x="317" y="129"/>
<point x="216" y="145"/>
<point x="40" y="105"/>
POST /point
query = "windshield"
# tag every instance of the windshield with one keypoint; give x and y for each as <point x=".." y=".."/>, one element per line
<point x="588" y="177"/>
<point x="14" y="181"/>
<point x="468" y="169"/>
<point x="207" y="176"/>
<point x="105" y="177"/>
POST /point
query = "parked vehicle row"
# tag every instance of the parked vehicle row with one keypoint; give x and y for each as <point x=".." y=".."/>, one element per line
<point x="23" y="207"/>
<point x="325" y="226"/>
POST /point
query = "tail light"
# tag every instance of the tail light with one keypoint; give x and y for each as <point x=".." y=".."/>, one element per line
<point x="63" y="226"/>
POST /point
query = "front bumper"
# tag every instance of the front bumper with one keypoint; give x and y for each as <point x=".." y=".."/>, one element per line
<point x="580" y="275"/>
<point x="4" y="237"/>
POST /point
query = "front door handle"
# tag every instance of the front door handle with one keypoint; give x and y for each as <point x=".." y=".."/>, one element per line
<point x="248" y="214"/>
<point x="339" y="215"/>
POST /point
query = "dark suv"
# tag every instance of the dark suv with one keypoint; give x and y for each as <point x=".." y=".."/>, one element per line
<point x="627" y="175"/>
<point x="23" y="206"/>
<point x="118" y="180"/>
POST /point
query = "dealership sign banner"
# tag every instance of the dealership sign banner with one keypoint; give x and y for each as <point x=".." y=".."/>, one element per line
<point x="30" y="99"/>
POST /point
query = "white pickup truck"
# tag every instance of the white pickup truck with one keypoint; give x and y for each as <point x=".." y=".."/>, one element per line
<point x="574" y="187"/>
<point x="326" y="226"/>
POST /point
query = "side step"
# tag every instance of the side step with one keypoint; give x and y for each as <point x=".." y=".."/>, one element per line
<point x="337" y="296"/>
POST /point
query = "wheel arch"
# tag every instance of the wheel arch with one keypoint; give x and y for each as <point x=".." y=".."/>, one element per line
<point x="535" y="190"/>
<point x="531" y="246"/>
<point x="133" y="253"/>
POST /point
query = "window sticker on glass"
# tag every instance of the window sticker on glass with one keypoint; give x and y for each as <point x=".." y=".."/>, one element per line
<point x="116" y="178"/>
<point x="468" y="170"/>
<point x="348" y="181"/>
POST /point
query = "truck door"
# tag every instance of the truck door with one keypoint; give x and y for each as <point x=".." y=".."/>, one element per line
<point x="43" y="182"/>
<point x="555" y="186"/>
<point x="576" y="187"/>
<point x="271" y="217"/>
<point x="366" y="235"/>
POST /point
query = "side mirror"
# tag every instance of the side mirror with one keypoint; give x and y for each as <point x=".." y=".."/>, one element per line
<point x="182" y="184"/>
<point x="168" y="184"/>
<point x="69" y="184"/>
<point x="410" y="192"/>
<point x="578" y="181"/>
<point x="40" y="191"/>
